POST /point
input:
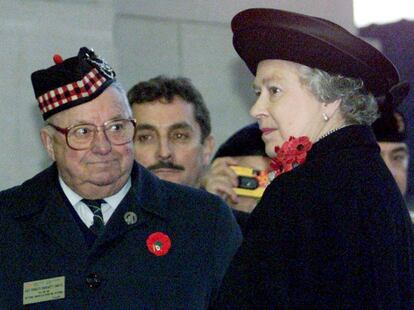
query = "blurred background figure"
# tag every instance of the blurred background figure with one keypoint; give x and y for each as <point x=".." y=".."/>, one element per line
<point x="400" y="50"/>
<point x="246" y="149"/>
<point x="390" y="133"/>
<point x="173" y="134"/>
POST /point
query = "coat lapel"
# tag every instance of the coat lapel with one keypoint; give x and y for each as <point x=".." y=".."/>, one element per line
<point x="57" y="222"/>
<point x="42" y="206"/>
<point x="145" y="199"/>
<point x="50" y="213"/>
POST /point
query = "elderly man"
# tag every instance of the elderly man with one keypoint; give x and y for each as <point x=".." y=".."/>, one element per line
<point x="173" y="133"/>
<point x="97" y="230"/>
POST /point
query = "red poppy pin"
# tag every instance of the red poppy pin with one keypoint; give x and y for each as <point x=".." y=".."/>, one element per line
<point x="158" y="243"/>
<point x="292" y="154"/>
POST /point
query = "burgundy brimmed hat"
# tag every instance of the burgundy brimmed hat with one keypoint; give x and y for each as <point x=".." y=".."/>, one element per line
<point x="71" y="82"/>
<point x="260" y="34"/>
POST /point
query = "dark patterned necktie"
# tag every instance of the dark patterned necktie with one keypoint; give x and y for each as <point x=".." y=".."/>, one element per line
<point x="98" y="222"/>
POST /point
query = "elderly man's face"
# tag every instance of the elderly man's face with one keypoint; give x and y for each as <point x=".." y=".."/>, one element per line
<point x="395" y="155"/>
<point x="103" y="169"/>
<point x="168" y="141"/>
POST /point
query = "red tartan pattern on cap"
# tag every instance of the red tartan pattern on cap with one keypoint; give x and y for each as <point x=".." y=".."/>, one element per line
<point x="70" y="92"/>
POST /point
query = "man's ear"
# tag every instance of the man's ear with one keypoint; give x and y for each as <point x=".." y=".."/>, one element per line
<point x="47" y="140"/>
<point x="208" y="147"/>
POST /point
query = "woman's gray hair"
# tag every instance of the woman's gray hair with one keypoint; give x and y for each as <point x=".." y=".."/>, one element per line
<point x="357" y="105"/>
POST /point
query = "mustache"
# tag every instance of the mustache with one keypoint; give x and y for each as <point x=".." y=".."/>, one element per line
<point x="165" y="164"/>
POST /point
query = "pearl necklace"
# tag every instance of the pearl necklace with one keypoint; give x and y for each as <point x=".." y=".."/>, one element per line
<point x="329" y="132"/>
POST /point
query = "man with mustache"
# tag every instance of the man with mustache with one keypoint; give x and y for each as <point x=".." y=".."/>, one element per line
<point x="173" y="134"/>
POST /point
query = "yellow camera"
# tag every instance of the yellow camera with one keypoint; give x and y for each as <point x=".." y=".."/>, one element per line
<point x="252" y="183"/>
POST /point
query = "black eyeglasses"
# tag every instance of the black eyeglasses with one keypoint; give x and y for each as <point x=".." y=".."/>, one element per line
<point x="80" y="137"/>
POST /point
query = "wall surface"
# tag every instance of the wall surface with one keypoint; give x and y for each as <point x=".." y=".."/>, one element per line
<point x="141" y="39"/>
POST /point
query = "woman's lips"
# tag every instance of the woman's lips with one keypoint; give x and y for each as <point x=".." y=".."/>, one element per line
<point x="266" y="131"/>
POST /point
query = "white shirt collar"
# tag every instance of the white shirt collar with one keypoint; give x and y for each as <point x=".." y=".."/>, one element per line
<point x="84" y="212"/>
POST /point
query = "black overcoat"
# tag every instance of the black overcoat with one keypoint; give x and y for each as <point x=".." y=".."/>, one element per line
<point x="333" y="233"/>
<point x="39" y="239"/>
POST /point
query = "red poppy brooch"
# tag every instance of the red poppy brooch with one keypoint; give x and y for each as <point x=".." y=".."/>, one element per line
<point x="158" y="243"/>
<point x="292" y="154"/>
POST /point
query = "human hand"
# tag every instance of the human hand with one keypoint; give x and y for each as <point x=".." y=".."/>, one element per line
<point x="220" y="179"/>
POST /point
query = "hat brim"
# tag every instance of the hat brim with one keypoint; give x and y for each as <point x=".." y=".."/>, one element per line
<point x="261" y="34"/>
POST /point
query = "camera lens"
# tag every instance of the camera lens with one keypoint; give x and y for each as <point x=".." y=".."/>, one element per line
<point x="248" y="183"/>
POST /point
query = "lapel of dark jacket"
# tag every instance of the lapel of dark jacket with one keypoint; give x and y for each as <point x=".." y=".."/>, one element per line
<point x="145" y="199"/>
<point x="41" y="204"/>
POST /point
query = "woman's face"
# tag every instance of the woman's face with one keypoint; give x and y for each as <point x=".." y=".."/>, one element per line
<point x="284" y="107"/>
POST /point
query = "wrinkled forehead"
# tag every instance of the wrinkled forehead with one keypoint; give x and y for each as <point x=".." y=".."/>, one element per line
<point x="276" y="70"/>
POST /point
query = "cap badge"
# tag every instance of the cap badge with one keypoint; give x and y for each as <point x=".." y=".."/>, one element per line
<point x="99" y="63"/>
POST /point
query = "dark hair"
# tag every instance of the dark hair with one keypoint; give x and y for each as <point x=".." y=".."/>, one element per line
<point x="247" y="141"/>
<point x="165" y="87"/>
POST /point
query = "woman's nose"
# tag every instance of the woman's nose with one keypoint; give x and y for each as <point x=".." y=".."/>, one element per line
<point x="258" y="109"/>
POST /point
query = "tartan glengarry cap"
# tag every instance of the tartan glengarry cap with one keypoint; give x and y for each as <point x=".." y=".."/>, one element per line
<point x="71" y="82"/>
<point x="260" y="34"/>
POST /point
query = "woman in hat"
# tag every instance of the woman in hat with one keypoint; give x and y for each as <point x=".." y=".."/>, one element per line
<point x="332" y="230"/>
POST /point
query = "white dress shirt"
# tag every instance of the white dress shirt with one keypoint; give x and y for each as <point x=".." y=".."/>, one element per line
<point x="108" y="208"/>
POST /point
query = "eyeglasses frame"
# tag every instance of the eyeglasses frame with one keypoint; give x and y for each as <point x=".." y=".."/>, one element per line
<point x="66" y="130"/>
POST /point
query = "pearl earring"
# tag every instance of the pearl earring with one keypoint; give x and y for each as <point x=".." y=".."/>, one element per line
<point x="325" y="117"/>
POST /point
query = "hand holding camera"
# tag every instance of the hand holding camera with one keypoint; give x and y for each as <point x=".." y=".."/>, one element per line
<point x="227" y="179"/>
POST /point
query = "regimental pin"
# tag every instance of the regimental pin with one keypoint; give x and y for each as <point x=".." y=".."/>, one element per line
<point x="130" y="218"/>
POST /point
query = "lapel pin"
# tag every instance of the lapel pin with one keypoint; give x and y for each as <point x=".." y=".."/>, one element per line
<point x="130" y="218"/>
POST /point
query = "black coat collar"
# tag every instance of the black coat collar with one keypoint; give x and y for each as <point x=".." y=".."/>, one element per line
<point x="348" y="137"/>
<point x="39" y="202"/>
<point x="41" y="193"/>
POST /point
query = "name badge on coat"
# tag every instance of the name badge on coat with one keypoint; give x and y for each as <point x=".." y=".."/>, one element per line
<point x="43" y="290"/>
